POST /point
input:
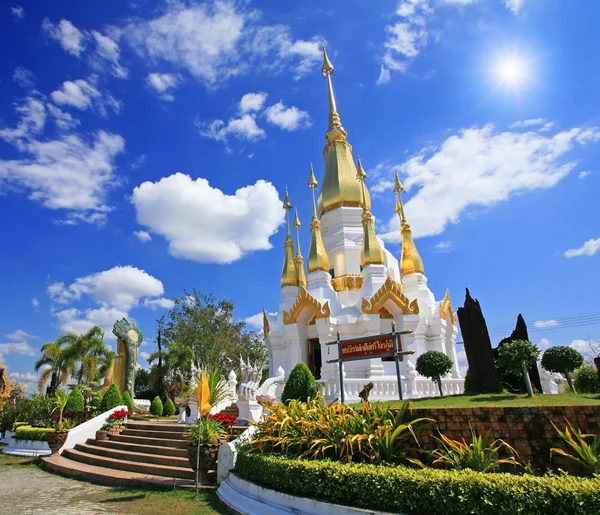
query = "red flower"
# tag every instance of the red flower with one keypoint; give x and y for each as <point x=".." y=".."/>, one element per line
<point x="119" y="414"/>
<point x="224" y="418"/>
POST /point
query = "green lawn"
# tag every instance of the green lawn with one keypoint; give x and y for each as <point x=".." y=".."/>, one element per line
<point x="14" y="461"/>
<point x="504" y="400"/>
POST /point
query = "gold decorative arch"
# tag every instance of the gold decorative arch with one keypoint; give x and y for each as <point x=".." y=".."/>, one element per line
<point x="446" y="308"/>
<point x="391" y="290"/>
<point x="306" y="300"/>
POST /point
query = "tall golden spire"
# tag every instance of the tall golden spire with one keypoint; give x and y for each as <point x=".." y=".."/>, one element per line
<point x="371" y="254"/>
<point x="410" y="262"/>
<point x="288" y="274"/>
<point x="340" y="188"/>
<point x="317" y="256"/>
<point x="299" y="261"/>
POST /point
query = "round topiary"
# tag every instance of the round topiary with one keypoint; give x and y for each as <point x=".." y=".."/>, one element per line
<point x="434" y="364"/>
<point x="586" y="380"/>
<point x="127" y="400"/>
<point x="75" y="400"/>
<point x="112" y="398"/>
<point x="300" y="385"/>
<point x="169" y="409"/>
<point x="562" y="360"/>
<point x="516" y="357"/>
<point x="156" y="408"/>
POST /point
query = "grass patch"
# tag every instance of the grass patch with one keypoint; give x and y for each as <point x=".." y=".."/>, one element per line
<point x="501" y="400"/>
<point x="7" y="460"/>
<point x="150" y="502"/>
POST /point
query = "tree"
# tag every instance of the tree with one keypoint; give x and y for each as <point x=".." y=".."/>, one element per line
<point x="586" y="379"/>
<point x="300" y="385"/>
<point x="75" y="400"/>
<point x="112" y="398"/>
<point x="156" y="408"/>
<point x="562" y="360"/>
<point x="169" y="408"/>
<point x="56" y="366"/>
<point x="128" y="401"/>
<point x="435" y="365"/>
<point x="86" y="354"/>
<point x="516" y="356"/>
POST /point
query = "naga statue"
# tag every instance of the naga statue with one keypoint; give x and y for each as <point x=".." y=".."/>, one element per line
<point x="5" y="388"/>
<point x="122" y="369"/>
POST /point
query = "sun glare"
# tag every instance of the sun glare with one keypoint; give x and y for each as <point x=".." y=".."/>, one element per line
<point x="512" y="71"/>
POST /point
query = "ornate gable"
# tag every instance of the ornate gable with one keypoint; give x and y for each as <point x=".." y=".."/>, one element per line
<point x="446" y="308"/>
<point x="391" y="290"/>
<point x="306" y="300"/>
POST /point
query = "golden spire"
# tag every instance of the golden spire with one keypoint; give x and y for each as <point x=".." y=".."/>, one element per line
<point x="317" y="256"/>
<point x="410" y="262"/>
<point x="339" y="185"/>
<point x="371" y="254"/>
<point x="288" y="274"/>
<point x="299" y="260"/>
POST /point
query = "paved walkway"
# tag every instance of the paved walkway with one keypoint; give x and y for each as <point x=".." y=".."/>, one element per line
<point x="29" y="490"/>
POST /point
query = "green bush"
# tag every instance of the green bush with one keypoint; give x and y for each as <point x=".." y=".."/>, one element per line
<point x="169" y="409"/>
<point x="434" y="365"/>
<point x="300" y="385"/>
<point x="469" y="383"/>
<point x="562" y="360"/>
<point x="32" y="433"/>
<point x="112" y="398"/>
<point x="156" y="408"/>
<point x="75" y="401"/>
<point x="96" y="401"/>
<point x="422" y="491"/>
<point x="586" y="380"/>
<point x="127" y="400"/>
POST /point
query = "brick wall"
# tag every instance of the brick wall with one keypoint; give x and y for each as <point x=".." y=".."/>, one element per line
<point x="528" y="430"/>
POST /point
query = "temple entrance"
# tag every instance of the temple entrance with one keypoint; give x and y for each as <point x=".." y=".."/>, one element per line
<point x="313" y="357"/>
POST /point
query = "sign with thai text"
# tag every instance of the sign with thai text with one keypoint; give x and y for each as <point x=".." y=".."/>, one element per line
<point x="372" y="346"/>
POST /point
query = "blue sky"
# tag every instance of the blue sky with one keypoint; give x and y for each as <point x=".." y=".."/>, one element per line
<point x="145" y="146"/>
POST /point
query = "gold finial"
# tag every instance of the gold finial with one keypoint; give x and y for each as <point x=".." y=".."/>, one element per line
<point x="287" y="205"/>
<point x="312" y="180"/>
<point x="335" y="131"/>
<point x="361" y="175"/>
<point x="327" y="68"/>
<point x="297" y="226"/>
<point x="299" y="260"/>
<point x="317" y="256"/>
<point x="371" y="254"/>
<point x="289" y="277"/>
<point x="410" y="261"/>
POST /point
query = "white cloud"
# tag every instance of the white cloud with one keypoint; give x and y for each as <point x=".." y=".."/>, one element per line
<point x="544" y="344"/>
<point x="163" y="83"/>
<point x="21" y="348"/>
<point x="161" y="303"/>
<point x="480" y="167"/>
<point x="244" y="128"/>
<point x="26" y="377"/>
<point x="18" y="12"/>
<point x="583" y="346"/>
<point x="545" y="323"/>
<point x="76" y="321"/>
<point x="64" y="121"/>
<point x="108" y="49"/>
<point x="251" y="102"/>
<point x="583" y="175"/>
<point x="139" y="162"/>
<point x="23" y="77"/>
<point x="20" y="335"/>
<point x="514" y="5"/>
<point x="69" y="36"/>
<point x="256" y="321"/>
<point x="532" y="122"/>
<point x="143" y="236"/>
<point x="144" y="355"/>
<point x="35" y="303"/>
<point x="220" y="40"/>
<point x="444" y="246"/>
<point x="203" y="223"/>
<point x="589" y="248"/>
<point x="288" y="118"/>
<point x="461" y="361"/>
<point x="83" y="95"/>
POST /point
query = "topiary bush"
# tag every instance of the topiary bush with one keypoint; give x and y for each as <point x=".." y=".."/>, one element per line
<point x="469" y="383"/>
<point x="169" y="409"/>
<point x="156" y="408"/>
<point x="75" y="400"/>
<point x="300" y="385"/>
<point x="96" y="401"/>
<point x="112" y="398"/>
<point x="516" y="357"/>
<point x="128" y="401"/>
<point x="26" y="432"/>
<point x="435" y="365"/>
<point x="586" y="380"/>
<point x="562" y="360"/>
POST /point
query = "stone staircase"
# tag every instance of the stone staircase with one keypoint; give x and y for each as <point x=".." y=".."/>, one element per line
<point x="145" y="454"/>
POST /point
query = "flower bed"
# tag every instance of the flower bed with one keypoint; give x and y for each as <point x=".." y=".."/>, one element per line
<point x="224" y="419"/>
<point x="422" y="491"/>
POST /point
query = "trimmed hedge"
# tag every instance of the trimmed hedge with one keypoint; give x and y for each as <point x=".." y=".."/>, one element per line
<point x="156" y="408"/>
<point x="75" y="400"/>
<point x="112" y="398"/>
<point x="127" y="400"/>
<point x="32" y="433"/>
<point x="422" y="491"/>
<point x="169" y="408"/>
<point x="300" y="385"/>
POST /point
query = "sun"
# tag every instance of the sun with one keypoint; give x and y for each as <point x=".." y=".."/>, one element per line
<point x="513" y="71"/>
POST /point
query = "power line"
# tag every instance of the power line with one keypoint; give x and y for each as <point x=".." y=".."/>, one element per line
<point x="558" y="320"/>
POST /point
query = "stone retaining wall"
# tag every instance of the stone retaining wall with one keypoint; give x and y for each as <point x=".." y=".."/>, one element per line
<point x="528" y="430"/>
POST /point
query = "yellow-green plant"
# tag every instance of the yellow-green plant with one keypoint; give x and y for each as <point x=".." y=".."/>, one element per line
<point x="586" y="454"/>
<point x="477" y="455"/>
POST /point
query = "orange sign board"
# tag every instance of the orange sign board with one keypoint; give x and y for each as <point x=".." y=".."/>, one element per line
<point x="371" y="346"/>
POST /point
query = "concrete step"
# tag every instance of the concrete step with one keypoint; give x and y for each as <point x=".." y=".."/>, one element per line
<point x="159" y="442"/>
<point x="144" y="449"/>
<point x="111" y="477"/>
<point x="157" y="426"/>
<point x="121" y="454"/>
<point x="130" y="466"/>
<point x="146" y="433"/>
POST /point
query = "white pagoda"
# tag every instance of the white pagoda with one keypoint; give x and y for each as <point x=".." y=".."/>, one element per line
<point x="355" y="286"/>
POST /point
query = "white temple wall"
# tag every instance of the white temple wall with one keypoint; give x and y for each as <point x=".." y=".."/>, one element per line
<point x="342" y="236"/>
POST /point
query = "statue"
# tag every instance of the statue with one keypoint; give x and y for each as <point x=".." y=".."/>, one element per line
<point x="364" y="393"/>
<point x="5" y="388"/>
<point x="251" y="377"/>
<point x="478" y="347"/>
<point x="122" y="369"/>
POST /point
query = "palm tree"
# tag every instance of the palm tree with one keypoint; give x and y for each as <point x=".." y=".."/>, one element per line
<point x="57" y="371"/>
<point x="86" y="354"/>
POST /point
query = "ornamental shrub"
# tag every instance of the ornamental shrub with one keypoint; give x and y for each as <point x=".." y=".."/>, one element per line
<point x="586" y="380"/>
<point x="300" y="385"/>
<point x="562" y="360"/>
<point x="156" y="408"/>
<point x="32" y="433"/>
<point x="434" y="364"/>
<point x="112" y="398"/>
<point x="169" y="409"/>
<point x="469" y="383"/>
<point x="516" y="357"/>
<point x="96" y="401"/>
<point x="75" y="400"/>
<point x="419" y="491"/>
<point x="128" y="401"/>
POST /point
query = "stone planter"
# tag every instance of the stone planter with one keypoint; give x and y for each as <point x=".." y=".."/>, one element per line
<point x="205" y="461"/>
<point x="101" y="435"/>
<point x="56" y="439"/>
